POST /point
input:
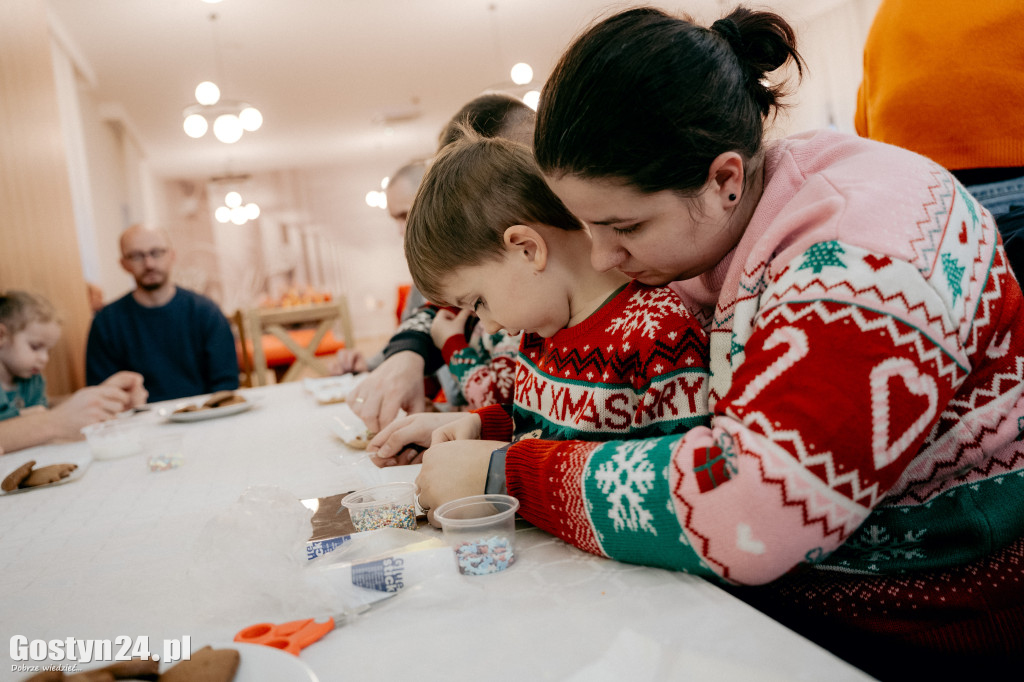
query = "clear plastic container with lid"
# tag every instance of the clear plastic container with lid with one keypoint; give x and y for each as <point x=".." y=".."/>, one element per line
<point x="482" y="530"/>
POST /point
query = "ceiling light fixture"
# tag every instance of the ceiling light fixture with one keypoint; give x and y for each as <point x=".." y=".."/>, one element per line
<point x="233" y="211"/>
<point x="378" y="199"/>
<point x="522" y="73"/>
<point x="230" y="118"/>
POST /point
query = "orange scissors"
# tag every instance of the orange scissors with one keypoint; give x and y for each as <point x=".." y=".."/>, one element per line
<point x="291" y="637"/>
<point x="298" y="634"/>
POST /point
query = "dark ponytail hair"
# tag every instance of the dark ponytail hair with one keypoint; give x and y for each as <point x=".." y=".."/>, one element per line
<point x="652" y="99"/>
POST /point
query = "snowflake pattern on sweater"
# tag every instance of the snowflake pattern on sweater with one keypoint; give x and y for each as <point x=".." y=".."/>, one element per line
<point x="636" y="367"/>
<point x="867" y="391"/>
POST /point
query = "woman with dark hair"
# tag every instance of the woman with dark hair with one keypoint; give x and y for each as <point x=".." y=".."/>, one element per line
<point x="863" y="474"/>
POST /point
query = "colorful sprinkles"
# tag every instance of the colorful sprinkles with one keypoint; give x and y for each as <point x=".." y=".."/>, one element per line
<point x="165" y="462"/>
<point x="387" y="514"/>
<point x="485" y="556"/>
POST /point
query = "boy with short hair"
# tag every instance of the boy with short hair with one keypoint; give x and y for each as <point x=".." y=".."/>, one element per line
<point x="602" y="357"/>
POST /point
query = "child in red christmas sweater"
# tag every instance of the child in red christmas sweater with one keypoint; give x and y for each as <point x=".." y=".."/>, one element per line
<point x="601" y="357"/>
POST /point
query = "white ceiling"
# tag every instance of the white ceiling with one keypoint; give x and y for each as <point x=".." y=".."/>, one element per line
<point x="338" y="81"/>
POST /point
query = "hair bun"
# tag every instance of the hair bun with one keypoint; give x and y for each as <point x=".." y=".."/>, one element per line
<point x="728" y="29"/>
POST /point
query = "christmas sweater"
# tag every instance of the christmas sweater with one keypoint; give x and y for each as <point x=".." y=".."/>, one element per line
<point x="484" y="366"/>
<point x="636" y="368"/>
<point x="867" y="402"/>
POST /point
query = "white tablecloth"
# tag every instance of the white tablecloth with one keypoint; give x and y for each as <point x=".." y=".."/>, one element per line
<point x="119" y="552"/>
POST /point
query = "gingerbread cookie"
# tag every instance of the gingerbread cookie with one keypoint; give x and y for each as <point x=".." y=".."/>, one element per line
<point x="206" y="665"/>
<point x="218" y="399"/>
<point x="135" y="669"/>
<point x="16" y="477"/>
<point x="223" y="398"/>
<point x="47" y="676"/>
<point x="48" y="474"/>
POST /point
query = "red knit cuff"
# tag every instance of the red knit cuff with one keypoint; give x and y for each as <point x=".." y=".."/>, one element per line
<point x="527" y="478"/>
<point x="495" y="423"/>
<point x="453" y="345"/>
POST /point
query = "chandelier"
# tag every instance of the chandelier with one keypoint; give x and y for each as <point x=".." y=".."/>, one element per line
<point x="230" y="119"/>
<point x="234" y="210"/>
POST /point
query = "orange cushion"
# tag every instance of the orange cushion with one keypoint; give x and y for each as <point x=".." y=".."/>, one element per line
<point x="277" y="353"/>
<point x="403" y="296"/>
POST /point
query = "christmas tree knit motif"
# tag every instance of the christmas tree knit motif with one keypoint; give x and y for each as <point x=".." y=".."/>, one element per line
<point x="954" y="274"/>
<point x="821" y="255"/>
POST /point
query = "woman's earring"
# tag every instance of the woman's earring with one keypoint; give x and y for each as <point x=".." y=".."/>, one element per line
<point x="732" y="197"/>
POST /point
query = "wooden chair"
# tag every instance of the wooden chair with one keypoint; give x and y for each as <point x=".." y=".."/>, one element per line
<point x="253" y="324"/>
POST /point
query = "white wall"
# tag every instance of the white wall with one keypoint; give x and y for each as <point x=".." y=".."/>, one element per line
<point x="319" y="213"/>
<point x="832" y="44"/>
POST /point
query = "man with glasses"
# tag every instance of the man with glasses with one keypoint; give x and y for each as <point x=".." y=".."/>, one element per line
<point x="178" y="340"/>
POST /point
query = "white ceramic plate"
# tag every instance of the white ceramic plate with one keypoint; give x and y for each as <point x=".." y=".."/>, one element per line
<point x="327" y="390"/>
<point x="258" y="663"/>
<point x="82" y="460"/>
<point x="209" y="413"/>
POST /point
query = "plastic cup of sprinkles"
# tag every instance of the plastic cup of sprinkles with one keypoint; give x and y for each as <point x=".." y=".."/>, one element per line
<point x="482" y="530"/>
<point x="391" y="504"/>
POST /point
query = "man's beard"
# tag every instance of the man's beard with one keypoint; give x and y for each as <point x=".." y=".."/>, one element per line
<point x="151" y="285"/>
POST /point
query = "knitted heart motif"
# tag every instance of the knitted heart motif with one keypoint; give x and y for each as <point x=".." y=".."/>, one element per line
<point x="884" y="451"/>
<point x="746" y="541"/>
<point x="876" y="263"/>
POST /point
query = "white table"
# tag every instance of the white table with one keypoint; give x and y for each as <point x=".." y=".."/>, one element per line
<point x="125" y="551"/>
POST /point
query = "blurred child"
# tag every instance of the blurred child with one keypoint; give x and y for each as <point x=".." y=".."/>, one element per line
<point x="29" y="328"/>
<point x="602" y="357"/>
<point x="484" y="364"/>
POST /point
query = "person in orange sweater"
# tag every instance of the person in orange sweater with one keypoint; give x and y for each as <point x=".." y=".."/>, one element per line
<point x="946" y="80"/>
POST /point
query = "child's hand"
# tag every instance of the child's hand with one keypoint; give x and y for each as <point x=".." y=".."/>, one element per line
<point x="87" y="406"/>
<point x="465" y="428"/>
<point x="347" y="361"/>
<point x="447" y="324"/>
<point x="391" y="445"/>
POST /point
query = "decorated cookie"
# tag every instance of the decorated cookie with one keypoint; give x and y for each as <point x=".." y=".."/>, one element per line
<point x="360" y="440"/>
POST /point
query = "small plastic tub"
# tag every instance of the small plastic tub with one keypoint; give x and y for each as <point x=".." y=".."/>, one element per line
<point x="482" y="530"/>
<point x="391" y="504"/>
<point x="165" y="450"/>
<point x="114" y="438"/>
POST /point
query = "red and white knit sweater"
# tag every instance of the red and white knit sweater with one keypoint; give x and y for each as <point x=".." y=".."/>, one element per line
<point x="867" y="355"/>
<point x="637" y="367"/>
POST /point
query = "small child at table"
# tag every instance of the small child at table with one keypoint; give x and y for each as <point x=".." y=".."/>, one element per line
<point x="602" y="357"/>
<point x="29" y="329"/>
